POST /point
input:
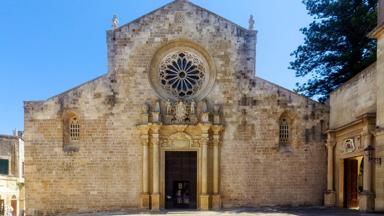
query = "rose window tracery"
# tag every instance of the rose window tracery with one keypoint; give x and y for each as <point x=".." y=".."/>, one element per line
<point x="182" y="74"/>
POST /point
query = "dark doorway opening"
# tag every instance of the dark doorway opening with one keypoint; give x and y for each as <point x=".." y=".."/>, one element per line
<point x="14" y="206"/>
<point x="180" y="180"/>
<point x="351" y="199"/>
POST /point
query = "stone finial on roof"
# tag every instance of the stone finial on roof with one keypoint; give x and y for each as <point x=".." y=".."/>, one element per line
<point x="251" y="23"/>
<point x="115" y="22"/>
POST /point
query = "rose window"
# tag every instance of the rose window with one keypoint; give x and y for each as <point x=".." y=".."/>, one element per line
<point x="181" y="74"/>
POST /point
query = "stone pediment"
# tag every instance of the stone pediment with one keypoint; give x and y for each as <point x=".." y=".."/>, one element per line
<point x="177" y="7"/>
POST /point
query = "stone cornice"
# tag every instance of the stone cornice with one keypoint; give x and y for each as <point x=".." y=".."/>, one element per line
<point x="217" y="129"/>
<point x="368" y="117"/>
<point x="205" y="127"/>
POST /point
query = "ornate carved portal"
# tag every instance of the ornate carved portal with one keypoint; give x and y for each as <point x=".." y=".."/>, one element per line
<point x="180" y="126"/>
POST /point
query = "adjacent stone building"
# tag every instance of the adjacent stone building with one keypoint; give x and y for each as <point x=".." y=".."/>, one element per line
<point x="355" y="143"/>
<point x="180" y="120"/>
<point x="12" y="197"/>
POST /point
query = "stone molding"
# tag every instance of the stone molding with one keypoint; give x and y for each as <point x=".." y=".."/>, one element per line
<point x="181" y="137"/>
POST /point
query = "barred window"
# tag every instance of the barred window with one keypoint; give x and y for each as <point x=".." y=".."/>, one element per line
<point x="74" y="129"/>
<point x="284" y="132"/>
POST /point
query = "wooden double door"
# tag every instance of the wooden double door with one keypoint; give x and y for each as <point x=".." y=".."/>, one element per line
<point x="180" y="180"/>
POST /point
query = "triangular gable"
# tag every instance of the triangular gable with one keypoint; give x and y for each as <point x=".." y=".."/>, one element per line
<point x="175" y="3"/>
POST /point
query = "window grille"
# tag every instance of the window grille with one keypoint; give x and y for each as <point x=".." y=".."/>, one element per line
<point x="74" y="129"/>
<point x="284" y="132"/>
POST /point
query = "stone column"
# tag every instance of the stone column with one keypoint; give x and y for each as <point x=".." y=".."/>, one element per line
<point x="144" y="202"/>
<point x="204" y="196"/>
<point x="216" y="198"/>
<point x="155" y="198"/>
<point x="367" y="197"/>
<point x="330" y="194"/>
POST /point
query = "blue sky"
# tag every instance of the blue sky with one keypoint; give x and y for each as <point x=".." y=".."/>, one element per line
<point x="49" y="46"/>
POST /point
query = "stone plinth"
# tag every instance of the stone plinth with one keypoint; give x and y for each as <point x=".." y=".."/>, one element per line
<point x="144" y="201"/>
<point x="204" y="202"/>
<point x="366" y="202"/>
<point x="155" y="198"/>
<point x="216" y="202"/>
<point x="330" y="198"/>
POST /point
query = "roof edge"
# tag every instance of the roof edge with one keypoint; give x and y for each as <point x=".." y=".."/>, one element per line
<point x="291" y="91"/>
<point x="9" y="136"/>
<point x="353" y="78"/>
<point x="69" y="90"/>
<point x="188" y="2"/>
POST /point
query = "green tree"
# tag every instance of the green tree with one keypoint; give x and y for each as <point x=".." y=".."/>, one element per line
<point x="336" y="46"/>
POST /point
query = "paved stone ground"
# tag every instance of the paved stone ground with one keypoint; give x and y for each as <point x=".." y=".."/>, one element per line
<point x="313" y="211"/>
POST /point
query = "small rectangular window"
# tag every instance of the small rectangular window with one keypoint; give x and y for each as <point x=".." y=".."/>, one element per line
<point x="4" y="167"/>
<point x="284" y="133"/>
<point x="74" y="130"/>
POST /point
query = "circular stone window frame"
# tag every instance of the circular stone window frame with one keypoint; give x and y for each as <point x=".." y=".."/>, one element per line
<point x="179" y="46"/>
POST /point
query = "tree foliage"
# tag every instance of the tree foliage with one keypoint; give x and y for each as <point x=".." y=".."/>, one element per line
<point x="336" y="46"/>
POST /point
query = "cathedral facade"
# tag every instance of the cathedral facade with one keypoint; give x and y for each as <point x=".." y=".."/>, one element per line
<point x="180" y="120"/>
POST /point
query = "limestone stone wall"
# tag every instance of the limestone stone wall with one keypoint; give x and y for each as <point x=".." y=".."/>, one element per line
<point x="106" y="165"/>
<point x="354" y="98"/>
<point x="104" y="173"/>
<point x="255" y="170"/>
<point x="379" y="170"/>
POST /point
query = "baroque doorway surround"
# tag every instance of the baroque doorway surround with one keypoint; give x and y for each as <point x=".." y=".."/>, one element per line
<point x="183" y="127"/>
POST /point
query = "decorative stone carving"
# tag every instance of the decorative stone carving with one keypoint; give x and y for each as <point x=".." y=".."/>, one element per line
<point x="204" y="107"/>
<point x="349" y="145"/>
<point x="193" y="107"/>
<point x="251" y="23"/>
<point x="156" y="112"/>
<point x="180" y="112"/>
<point x="181" y="74"/>
<point x="168" y="106"/>
<point x="216" y="114"/>
<point x="145" y="113"/>
<point x="195" y="144"/>
<point x="180" y="140"/>
<point x="157" y="106"/>
<point x="145" y="109"/>
<point x="164" y="143"/>
<point x="115" y="22"/>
